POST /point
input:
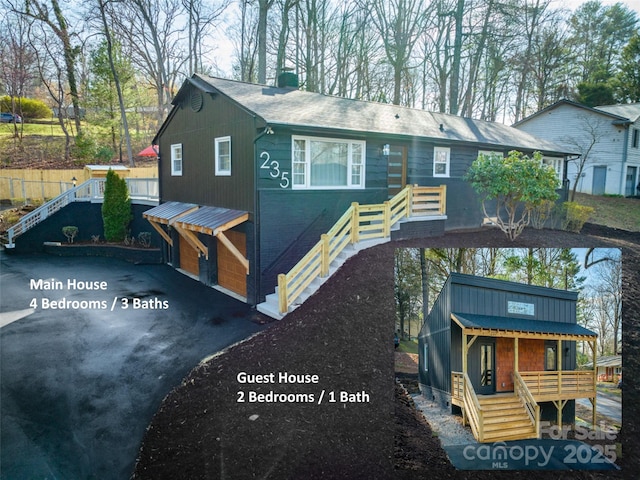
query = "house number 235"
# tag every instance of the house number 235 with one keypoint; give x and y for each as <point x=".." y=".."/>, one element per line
<point x="274" y="169"/>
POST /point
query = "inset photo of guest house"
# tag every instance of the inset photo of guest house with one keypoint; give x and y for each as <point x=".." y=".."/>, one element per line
<point x="505" y="342"/>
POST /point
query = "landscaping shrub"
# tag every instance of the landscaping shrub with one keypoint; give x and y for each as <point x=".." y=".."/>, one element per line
<point x="144" y="238"/>
<point x="575" y="216"/>
<point x="518" y="185"/>
<point x="116" y="209"/>
<point x="70" y="232"/>
<point x="28" y="107"/>
<point x="542" y="213"/>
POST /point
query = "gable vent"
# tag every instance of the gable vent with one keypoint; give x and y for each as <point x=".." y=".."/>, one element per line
<point x="196" y="100"/>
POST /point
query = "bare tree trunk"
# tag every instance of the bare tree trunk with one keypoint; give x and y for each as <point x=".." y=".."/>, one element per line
<point x="455" y="66"/>
<point x="38" y="11"/>
<point x="263" y="11"/>
<point x="116" y="79"/>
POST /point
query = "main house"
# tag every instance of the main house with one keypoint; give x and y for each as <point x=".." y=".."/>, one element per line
<point x="504" y="354"/>
<point x="252" y="176"/>
<point x="608" y="138"/>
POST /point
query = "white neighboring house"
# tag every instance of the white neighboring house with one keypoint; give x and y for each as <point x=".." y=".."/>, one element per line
<point x="607" y="138"/>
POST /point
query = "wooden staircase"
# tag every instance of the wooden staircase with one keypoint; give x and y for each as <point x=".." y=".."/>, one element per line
<point x="504" y="417"/>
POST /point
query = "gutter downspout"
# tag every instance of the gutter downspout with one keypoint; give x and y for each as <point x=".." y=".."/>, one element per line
<point x="256" y="209"/>
<point x="625" y="152"/>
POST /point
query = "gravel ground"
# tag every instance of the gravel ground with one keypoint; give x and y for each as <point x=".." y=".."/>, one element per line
<point x="446" y="426"/>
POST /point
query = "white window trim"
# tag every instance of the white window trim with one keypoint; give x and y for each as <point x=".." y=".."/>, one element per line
<point x="307" y="173"/>
<point x="222" y="172"/>
<point x="447" y="164"/>
<point x="558" y="165"/>
<point x="425" y="357"/>
<point x="174" y="171"/>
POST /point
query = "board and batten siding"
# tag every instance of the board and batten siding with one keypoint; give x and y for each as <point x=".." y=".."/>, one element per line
<point x="292" y="221"/>
<point x="484" y="296"/>
<point x="197" y="131"/>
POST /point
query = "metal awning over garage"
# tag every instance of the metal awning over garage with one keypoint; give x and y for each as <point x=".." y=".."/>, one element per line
<point x="212" y="221"/>
<point x="164" y="214"/>
<point x="167" y="211"/>
<point x="494" y="326"/>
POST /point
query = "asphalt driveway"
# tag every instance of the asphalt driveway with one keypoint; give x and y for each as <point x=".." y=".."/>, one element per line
<point x="79" y="384"/>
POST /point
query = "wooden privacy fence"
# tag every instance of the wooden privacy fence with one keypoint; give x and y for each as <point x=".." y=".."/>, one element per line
<point x="41" y="184"/>
<point x="359" y="223"/>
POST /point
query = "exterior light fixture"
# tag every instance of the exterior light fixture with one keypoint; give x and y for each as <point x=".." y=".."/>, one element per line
<point x="74" y="181"/>
<point x="385" y="150"/>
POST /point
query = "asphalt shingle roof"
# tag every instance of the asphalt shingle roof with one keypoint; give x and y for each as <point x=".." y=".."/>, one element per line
<point x="626" y="110"/>
<point x="291" y="107"/>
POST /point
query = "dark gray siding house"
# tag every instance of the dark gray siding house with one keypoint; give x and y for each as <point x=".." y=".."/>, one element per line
<point x="499" y="351"/>
<point x="278" y="166"/>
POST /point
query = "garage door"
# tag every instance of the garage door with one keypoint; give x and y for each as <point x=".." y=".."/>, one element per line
<point x="232" y="275"/>
<point x="188" y="257"/>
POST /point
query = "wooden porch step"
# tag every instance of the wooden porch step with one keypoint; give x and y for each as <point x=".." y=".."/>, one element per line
<point x="508" y="426"/>
<point x="504" y="414"/>
<point x="515" y="434"/>
<point x="522" y="416"/>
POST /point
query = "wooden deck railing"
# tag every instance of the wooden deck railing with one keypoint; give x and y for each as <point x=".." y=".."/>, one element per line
<point x="557" y="385"/>
<point x="359" y="222"/>
<point x="530" y="404"/>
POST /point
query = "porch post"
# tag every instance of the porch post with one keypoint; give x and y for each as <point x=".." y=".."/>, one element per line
<point x="595" y="381"/>
<point x="464" y="354"/>
<point x="559" y="366"/>
<point x="515" y="354"/>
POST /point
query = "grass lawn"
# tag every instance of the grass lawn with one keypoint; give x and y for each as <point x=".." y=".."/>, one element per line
<point x="408" y="346"/>
<point x="616" y="212"/>
<point x="609" y="388"/>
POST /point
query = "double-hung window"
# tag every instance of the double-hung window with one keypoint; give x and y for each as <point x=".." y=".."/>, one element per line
<point x="556" y="164"/>
<point x="223" y="156"/>
<point x="176" y="159"/>
<point x="441" y="161"/>
<point x="328" y="163"/>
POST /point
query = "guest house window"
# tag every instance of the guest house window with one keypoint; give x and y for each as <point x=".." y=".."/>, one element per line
<point x="328" y="163"/>
<point x="223" y="156"/>
<point x="176" y="159"/>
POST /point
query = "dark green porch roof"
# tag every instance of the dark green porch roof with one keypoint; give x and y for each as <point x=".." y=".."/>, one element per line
<point x="489" y="322"/>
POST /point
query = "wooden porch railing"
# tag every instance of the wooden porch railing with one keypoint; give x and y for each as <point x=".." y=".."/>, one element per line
<point x="457" y="388"/>
<point x="557" y="385"/>
<point x="530" y="404"/>
<point x="359" y="222"/>
<point x="472" y="409"/>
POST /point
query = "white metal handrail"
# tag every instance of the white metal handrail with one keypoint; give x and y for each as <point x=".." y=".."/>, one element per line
<point x="90" y="191"/>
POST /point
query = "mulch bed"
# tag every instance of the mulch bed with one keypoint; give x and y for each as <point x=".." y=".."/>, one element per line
<point x="344" y="334"/>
